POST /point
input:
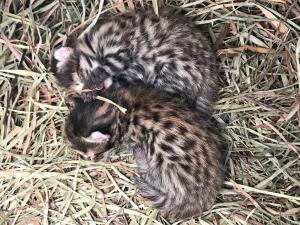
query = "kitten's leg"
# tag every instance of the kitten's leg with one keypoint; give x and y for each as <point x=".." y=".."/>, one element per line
<point x="149" y="180"/>
<point x="97" y="81"/>
<point x="122" y="80"/>
<point x="101" y="81"/>
<point x="103" y="156"/>
<point x="96" y="86"/>
<point x="141" y="160"/>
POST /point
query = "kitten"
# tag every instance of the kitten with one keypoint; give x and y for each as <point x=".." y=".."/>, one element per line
<point x="178" y="150"/>
<point x="168" y="52"/>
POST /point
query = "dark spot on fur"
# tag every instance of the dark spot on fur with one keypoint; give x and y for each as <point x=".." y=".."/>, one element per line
<point x="166" y="52"/>
<point x="133" y="133"/>
<point x="136" y="120"/>
<point x="168" y="124"/>
<point x="173" y="113"/>
<point x="186" y="168"/>
<point x="173" y="65"/>
<point x="159" y="159"/>
<point x="144" y="130"/>
<point x="122" y="24"/>
<point x="154" y="19"/>
<point x="165" y="147"/>
<point x="187" y="67"/>
<point x="174" y="158"/>
<point x="197" y="176"/>
<point x="189" y="144"/>
<point x="152" y="149"/>
<point x="209" y="162"/>
<point x="88" y="42"/>
<point x="145" y="108"/>
<point x="206" y="173"/>
<point x="182" y="130"/>
<point x="197" y="134"/>
<point x="158" y="68"/>
<point x="183" y="180"/>
<point x="137" y="105"/>
<point x="158" y="106"/>
<point x="188" y="158"/>
<point x="156" y="116"/>
<point x="188" y="120"/>
<point x="170" y="138"/>
<point x="205" y="153"/>
<point x="184" y="58"/>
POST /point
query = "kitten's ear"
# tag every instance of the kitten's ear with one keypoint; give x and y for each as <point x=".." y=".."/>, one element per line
<point x="97" y="137"/>
<point x="63" y="54"/>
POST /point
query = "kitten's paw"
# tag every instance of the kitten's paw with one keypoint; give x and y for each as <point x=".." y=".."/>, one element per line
<point x="89" y="96"/>
<point x="103" y="157"/>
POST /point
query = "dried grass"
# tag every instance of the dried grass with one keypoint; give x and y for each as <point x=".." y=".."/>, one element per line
<point x="43" y="182"/>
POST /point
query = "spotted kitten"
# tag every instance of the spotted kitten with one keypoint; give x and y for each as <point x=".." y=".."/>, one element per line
<point x="168" y="52"/>
<point x="178" y="150"/>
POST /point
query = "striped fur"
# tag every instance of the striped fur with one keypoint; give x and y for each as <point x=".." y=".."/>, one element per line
<point x="167" y="52"/>
<point x="178" y="150"/>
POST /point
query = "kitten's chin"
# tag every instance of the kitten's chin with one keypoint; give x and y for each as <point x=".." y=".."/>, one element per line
<point x="77" y="87"/>
<point x="94" y="155"/>
<point x="90" y="154"/>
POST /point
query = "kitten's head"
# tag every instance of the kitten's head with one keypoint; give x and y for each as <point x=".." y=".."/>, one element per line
<point x="90" y="128"/>
<point x="77" y="68"/>
<point x="65" y="66"/>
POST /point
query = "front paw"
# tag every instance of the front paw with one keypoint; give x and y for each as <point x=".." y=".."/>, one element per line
<point x="103" y="157"/>
<point x="89" y="96"/>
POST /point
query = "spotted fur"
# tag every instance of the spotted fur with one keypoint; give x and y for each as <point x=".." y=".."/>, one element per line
<point x="178" y="150"/>
<point x="168" y="52"/>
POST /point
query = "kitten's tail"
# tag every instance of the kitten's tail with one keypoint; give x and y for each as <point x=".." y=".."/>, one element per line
<point x="163" y="194"/>
<point x="149" y="184"/>
<point x="172" y="206"/>
<point x="151" y="192"/>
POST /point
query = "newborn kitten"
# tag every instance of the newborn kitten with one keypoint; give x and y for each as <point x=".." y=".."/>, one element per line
<point x="179" y="151"/>
<point x="168" y="52"/>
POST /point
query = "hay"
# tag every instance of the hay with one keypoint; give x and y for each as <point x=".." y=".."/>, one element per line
<point x="43" y="182"/>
